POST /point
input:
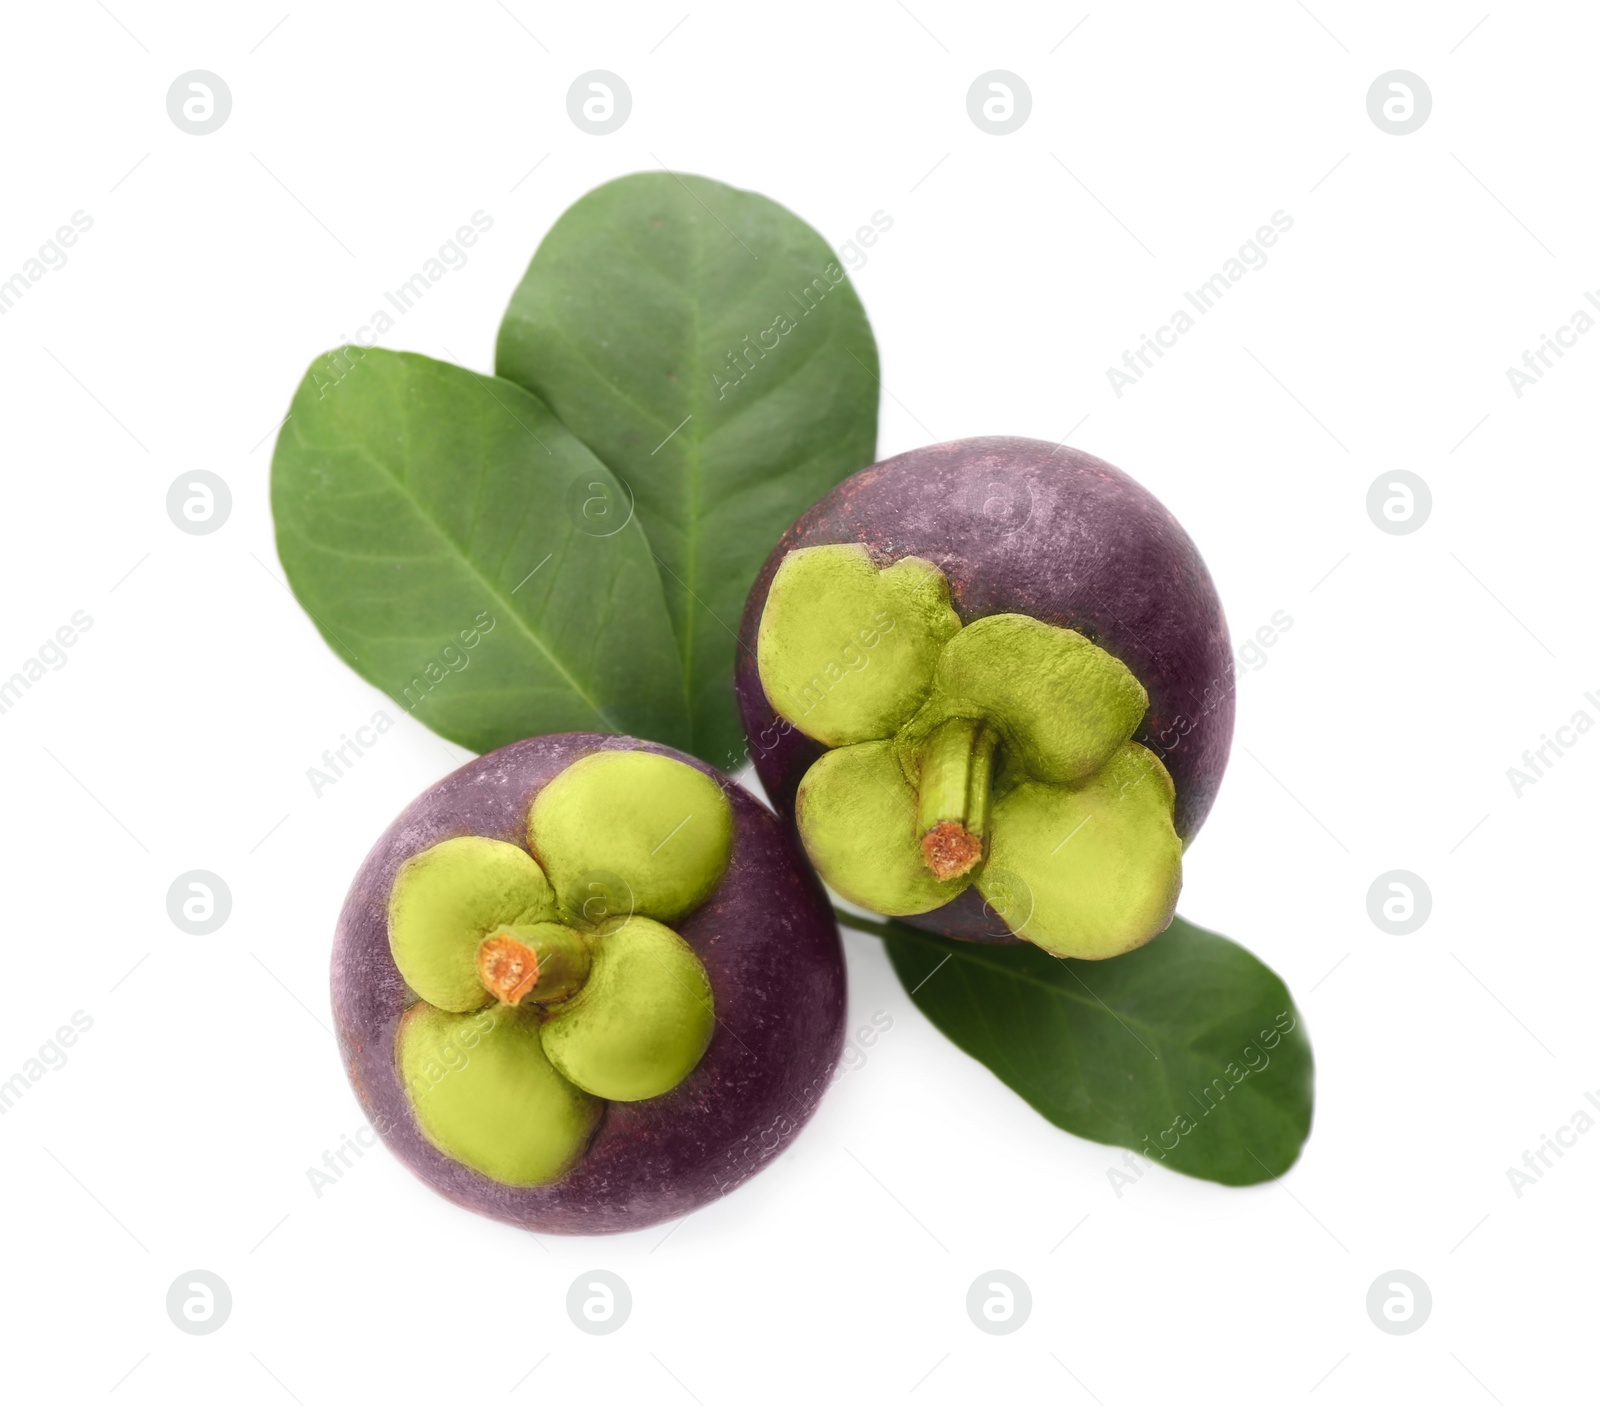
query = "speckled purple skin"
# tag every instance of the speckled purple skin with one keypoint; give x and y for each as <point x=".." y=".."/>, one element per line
<point x="1018" y="525"/>
<point x="769" y="944"/>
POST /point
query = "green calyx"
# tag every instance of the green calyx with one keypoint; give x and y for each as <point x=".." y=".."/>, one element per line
<point x="663" y="828"/>
<point x="1112" y="862"/>
<point x="845" y="650"/>
<point x="643" y="1020"/>
<point x="485" y="1093"/>
<point x="1062" y="704"/>
<point x="1005" y="761"/>
<point x="447" y="900"/>
<point x="546" y="989"/>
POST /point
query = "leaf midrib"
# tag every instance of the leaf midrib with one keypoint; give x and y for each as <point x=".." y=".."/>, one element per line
<point x="1049" y="1100"/>
<point x="1023" y="1080"/>
<point x="692" y="479"/>
<point x="1028" y="979"/>
<point x="454" y="550"/>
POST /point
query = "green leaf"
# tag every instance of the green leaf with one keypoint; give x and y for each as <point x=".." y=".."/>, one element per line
<point x="706" y="344"/>
<point x="1187" y="1050"/>
<point x="423" y="519"/>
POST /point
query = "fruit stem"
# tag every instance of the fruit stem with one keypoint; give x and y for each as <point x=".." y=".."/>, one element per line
<point x="885" y="927"/>
<point x="508" y="969"/>
<point x="535" y="965"/>
<point x="953" y="798"/>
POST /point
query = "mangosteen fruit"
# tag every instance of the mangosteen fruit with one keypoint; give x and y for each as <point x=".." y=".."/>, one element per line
<point x="587" y="984"/>
<point x="990" y="683"/>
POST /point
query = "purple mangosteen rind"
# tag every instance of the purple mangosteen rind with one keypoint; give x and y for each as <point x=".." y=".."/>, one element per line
<point x="770" y="948"/>
<point x="1019" y="526"/>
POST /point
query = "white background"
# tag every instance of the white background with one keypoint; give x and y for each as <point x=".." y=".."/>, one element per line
<point x="1376" y="736"/>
